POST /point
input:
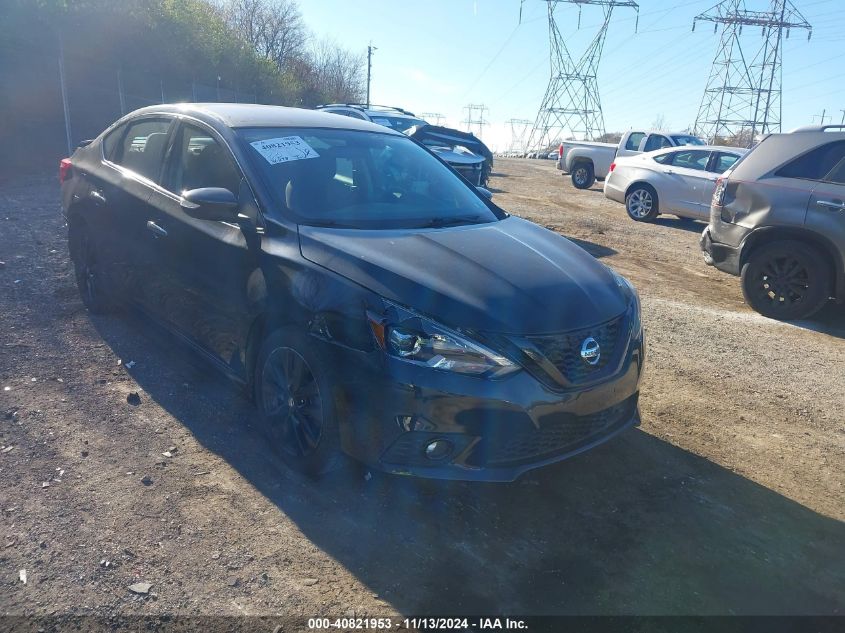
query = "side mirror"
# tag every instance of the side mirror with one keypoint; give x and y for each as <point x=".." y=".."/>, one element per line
<point x="211" y="203"/>
<point x="485" y="192"/>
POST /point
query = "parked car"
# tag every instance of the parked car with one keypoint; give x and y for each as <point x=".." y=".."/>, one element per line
<point x="371" y="301"/>
<point x="675" y="180"/>
<point x="778" y="221"/>
<point x="462" y="150"/>
<point x="553" y="155"/>
<point x="589" y="161"/>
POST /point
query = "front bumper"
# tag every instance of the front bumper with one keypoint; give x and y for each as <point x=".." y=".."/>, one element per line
<point x="725" y="257"/>
<point x="498" y="429"/>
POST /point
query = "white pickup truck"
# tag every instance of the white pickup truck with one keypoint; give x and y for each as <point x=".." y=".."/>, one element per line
<point x="587" y="161"/>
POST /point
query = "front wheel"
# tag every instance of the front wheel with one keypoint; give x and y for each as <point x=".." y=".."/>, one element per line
<point x="583" y="176"/>
<point x="641" y="203"/>
<point x="295" y="403"/>
<point x="786" y="280"/>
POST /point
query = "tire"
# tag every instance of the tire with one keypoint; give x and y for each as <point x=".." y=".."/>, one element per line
<point x="583" y="176"/>
<point x="293" y="395"/>
<point x="786" y="280"/>
<point x="641" y="203"/>
<point x="90" y="278"/>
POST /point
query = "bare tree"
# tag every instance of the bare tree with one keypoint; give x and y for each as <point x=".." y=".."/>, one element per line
<point x="337" y="72"/>
<point x="659" y="122"/>
<point x="274" y="28"/>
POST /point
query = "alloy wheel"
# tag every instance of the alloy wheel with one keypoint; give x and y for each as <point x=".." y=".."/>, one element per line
<point x="291" y="400"/>
<point x="581" y="176"/>
<point x="783" y="281"/>
<point x="640" y="203"/>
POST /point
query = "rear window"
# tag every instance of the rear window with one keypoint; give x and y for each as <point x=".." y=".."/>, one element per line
<point x="815" y="164"/>
<point x="633" y="142"/>
<point x="362" y="180"/>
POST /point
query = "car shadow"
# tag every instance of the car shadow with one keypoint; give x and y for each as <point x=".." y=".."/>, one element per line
<point x="829" y="320"/>
<point x="636" y="526"/>
<point x="596" y="250"/>
<point x="683" y="224"/>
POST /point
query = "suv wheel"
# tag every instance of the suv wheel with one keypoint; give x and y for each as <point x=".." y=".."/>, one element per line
<point x="89" y="274"/>
<point x="641" y="203"/>
<point x="786" y="280"/>
<point x="294" y="401"/>
<point x="583" y="176"/>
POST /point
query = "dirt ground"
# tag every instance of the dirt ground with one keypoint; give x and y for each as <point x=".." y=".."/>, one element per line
<point x="729" y="499"/>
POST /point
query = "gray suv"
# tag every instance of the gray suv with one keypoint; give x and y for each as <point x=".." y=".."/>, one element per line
<point x="777" y="219"/>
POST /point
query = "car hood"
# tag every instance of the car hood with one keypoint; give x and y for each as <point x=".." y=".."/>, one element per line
<point x="510" y="276"/>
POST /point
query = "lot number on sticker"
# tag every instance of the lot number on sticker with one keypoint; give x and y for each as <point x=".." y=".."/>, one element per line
<point x="284" y="149"/>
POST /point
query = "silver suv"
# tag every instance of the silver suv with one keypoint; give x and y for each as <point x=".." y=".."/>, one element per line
<point x="777" y="219"/>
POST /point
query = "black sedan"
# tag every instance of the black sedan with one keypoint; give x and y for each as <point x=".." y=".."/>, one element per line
<point x="371" y="300"/>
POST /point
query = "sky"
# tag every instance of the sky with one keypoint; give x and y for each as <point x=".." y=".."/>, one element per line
<point x="438" y="56"/>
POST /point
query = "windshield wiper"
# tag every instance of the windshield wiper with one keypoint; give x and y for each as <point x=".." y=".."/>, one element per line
<point x="450" y="221"/>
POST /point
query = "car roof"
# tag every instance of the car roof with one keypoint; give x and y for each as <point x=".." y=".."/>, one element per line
<point x="235" y="115"/>
<point x="701" y="148"/>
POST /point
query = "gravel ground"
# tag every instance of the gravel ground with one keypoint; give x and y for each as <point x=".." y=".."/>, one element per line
<point x="727" y="500"/>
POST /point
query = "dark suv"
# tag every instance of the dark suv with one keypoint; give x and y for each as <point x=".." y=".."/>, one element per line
<point x="371" y="301"/>
<point x="778" y="220"/>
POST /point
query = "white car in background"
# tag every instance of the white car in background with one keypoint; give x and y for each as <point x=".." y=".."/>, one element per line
<point x="676" y="180"/>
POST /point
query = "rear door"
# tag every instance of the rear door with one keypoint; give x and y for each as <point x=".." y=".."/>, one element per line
<point x="133" y="158"/>
<point x="826" y="212"/>
<point x="201" y="289"/>
<point x="687" y="181"/>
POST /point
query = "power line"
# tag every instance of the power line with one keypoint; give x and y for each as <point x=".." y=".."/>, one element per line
<point x="435" y="116"/>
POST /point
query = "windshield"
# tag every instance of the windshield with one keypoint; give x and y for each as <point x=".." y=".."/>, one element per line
<point x="686" y="139"/>
<point x="366" y="180"/>
<point x="400" y="124"/>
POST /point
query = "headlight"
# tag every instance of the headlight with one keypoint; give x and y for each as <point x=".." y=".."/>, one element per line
<point x="633" y="297"/>
<point x="414" y="339"/>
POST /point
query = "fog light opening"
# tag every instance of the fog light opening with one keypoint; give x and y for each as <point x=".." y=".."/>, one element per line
<point x="438" y="450"/>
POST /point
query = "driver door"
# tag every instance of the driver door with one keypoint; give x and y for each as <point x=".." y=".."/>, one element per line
<point x="688" y="183"/>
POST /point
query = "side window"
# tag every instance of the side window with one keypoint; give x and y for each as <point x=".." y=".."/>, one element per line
<point x="352" y="114"/>
<point x="816" y="164"/>
<point x="634" y="141"/>
<point x="665" y="159"/>
<point x="655" y="142"/>
<point x="111" y="140"/>
<point x="691" y="160"/>
<point x="199" y="160"/>
<point x="723" y="162"/>
<point x="837" y="174"/>
<point x="142" y="148"/>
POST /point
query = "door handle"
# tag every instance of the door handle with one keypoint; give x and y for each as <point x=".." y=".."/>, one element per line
<point x="97" y="196"/>
<point x="834" y="205"/>
<point x="156" y="229"/>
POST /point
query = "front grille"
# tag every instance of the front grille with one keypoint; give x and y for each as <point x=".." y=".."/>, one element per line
<point x="558" y="433"/>
<point x="564" y="350"/>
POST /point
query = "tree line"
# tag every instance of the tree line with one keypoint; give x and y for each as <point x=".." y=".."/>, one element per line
<point x="259" y="50"/>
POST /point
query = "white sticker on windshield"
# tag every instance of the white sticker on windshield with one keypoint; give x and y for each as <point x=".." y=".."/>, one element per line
<point x="284" y="149"/>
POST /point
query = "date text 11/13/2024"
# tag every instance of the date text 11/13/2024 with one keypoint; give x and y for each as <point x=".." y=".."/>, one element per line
<point x="420" y="624"/>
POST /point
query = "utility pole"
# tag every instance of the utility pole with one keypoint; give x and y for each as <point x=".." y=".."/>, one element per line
<point x="843" y="116"/>
<point x="370" y="50"/>
<point x="475" y="120"/>
<point x="571" y="106"/>
<point x="823" y="115"/>
<point x="743" y="92"/>
<point x="433" y="116"/>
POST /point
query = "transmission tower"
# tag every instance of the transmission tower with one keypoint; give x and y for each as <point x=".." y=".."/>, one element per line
<point x="434" y="117"/>
<point x="475" y="118"/>
<point x="519" y="130"/>
<point x="571" y="105"/>
<point x="743" y="94"/>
